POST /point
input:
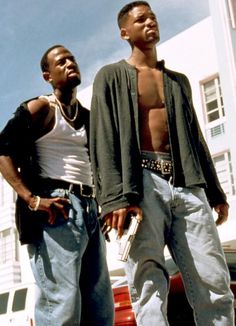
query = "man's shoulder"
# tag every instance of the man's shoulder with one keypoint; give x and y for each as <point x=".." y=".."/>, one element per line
<point x="111" y="68"/>
<point x="177" y="76"/>
<point x="36" y="104"/>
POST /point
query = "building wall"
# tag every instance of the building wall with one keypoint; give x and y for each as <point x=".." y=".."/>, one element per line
<point x="225" y="42"/>
<point x="10" y="267"/>
<point x="193" y="53"/>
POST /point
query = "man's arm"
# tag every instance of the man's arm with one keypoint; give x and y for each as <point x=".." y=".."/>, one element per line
<point x="113" y="159"/>
<point x="12" y="176"/>
<point x="12" y="142"/>
<point x="105" y="147"/>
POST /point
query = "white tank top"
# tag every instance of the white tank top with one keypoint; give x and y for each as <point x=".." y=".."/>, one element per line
<point x="63" y="153"/>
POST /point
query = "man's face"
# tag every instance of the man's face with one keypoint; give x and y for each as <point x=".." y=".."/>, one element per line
<point x="63" y="70"/>
<point x="141" y="26"/>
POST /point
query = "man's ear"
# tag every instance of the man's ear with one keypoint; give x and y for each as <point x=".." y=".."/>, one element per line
<point x="47" y="76"/>
<point x="123" y="34"/>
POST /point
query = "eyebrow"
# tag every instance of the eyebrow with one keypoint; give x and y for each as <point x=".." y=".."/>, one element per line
<point x="64" y="57"/>
<point x="144" y="14"/>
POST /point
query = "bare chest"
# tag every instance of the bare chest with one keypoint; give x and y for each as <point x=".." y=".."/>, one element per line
<point x="150" y="88"/>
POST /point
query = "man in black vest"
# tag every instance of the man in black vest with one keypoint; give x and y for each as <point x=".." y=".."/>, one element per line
<point x="44" y="157"/>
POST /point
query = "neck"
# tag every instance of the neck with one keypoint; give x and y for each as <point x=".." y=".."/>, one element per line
<point x="143" y="58"/>
<point x="67" y="98"/>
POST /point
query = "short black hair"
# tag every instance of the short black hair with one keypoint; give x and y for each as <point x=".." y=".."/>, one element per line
<point x="122" y="15"/>
<point x="44" y="60"/>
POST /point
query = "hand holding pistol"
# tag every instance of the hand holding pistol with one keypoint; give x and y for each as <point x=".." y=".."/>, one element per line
<point x="128" y="236"/>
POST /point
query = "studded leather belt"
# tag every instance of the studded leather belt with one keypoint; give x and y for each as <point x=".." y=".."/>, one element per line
<point x="163" y="166"/>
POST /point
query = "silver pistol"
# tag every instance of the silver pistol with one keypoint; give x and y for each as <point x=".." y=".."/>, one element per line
<point x="128" y="236"/>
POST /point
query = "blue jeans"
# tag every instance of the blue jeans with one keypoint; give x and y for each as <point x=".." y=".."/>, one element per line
<point x="181" y="219"/>
<point x="69" y="266"/>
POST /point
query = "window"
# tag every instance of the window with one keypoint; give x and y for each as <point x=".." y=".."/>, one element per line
<point x="5" y="246"/>
<point x="224" y="171"/>
<point x="213" y="101"/>
<point x="7" y="194"/>
<point x="9" y="246"/>
<point x="19" y="300"/>
<point x="3" y="302"/>
<point x="217" y="130"/>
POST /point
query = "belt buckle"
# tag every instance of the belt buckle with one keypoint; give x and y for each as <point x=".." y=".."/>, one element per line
<point x="166" y="167"/>
<point x="89" y="193"/>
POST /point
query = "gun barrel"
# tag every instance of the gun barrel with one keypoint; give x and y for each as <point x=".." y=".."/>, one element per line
<point x="127" y="239"/>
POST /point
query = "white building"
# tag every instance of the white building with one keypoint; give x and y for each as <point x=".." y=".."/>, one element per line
<point x="10" y="269"/>
<point x="206" y="53"/>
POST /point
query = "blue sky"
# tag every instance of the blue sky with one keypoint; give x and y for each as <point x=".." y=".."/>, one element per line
<point x="87" y="27"/>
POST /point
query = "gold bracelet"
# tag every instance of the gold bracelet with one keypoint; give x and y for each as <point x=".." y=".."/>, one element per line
<point x="35" y="208"/>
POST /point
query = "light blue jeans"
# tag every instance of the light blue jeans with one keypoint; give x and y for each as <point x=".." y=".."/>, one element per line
<point x="69" y="266"/>
<point x="182" y="219"/>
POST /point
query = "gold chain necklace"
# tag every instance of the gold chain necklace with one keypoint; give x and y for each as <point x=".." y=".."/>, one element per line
<point x="63" y="112"/>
